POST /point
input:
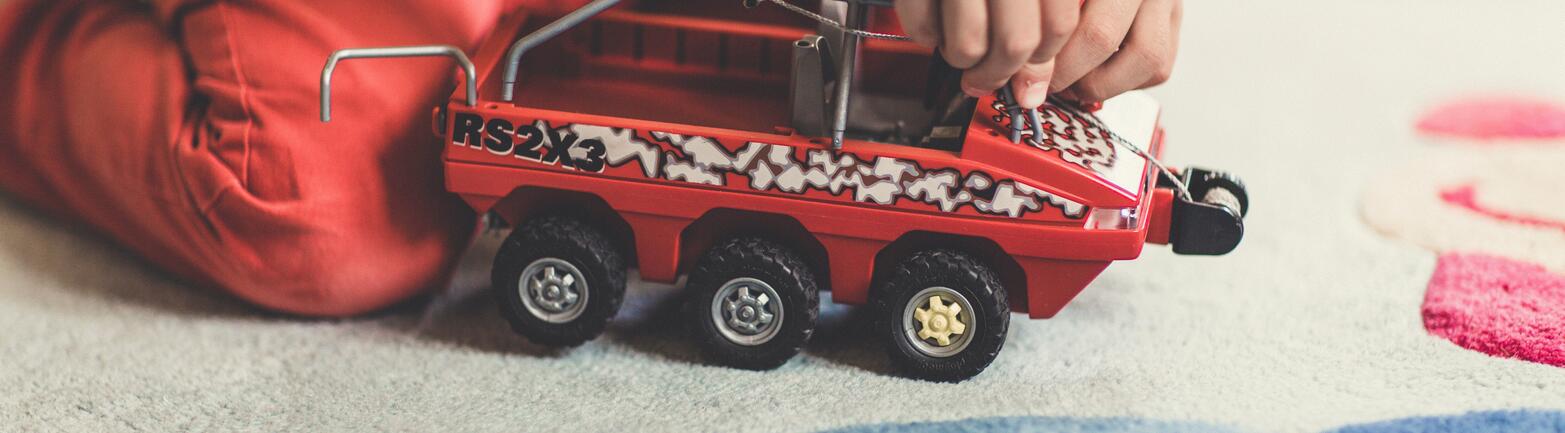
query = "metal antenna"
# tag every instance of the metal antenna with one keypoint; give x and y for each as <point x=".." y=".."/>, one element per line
<point x="850" y="60"/>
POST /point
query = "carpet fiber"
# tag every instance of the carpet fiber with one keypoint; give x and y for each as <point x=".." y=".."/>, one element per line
<point x="1314" y="324"/>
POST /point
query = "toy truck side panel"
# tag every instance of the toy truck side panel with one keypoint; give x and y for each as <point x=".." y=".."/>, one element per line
<point x="915" y="179"/>
<point x="1057" y="259"/>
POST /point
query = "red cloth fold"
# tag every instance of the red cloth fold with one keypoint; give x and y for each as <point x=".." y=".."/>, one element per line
<point x="188" y="131"/>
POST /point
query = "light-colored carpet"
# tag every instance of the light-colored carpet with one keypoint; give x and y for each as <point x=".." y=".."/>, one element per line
<point x="1312" y="324"/>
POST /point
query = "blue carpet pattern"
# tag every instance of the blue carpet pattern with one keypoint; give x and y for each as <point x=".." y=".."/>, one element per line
<point x="1511" y="421"/>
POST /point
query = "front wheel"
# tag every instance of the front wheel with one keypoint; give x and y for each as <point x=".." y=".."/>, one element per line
<point x="943" y="314"/>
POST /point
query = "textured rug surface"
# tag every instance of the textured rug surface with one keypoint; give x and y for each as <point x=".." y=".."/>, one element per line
<point x="1319" y="322"/>
<point x="1487" y="199"/>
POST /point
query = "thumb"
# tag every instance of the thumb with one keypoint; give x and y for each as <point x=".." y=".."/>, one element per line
<point x="1031" y="83"/>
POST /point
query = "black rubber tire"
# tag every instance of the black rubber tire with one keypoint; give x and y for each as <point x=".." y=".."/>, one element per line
<point x="957" y="271"/>
<point x="768" y="262"/>
<point x="578" y="243"/>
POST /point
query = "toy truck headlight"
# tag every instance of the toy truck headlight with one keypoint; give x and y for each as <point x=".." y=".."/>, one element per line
<point x="1112" y="219"/>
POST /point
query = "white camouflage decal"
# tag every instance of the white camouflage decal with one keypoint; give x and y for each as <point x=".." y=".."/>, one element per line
<point x="702" y="160"/>
<point x="884" y="181"/>
<point x="1069" y="134"/>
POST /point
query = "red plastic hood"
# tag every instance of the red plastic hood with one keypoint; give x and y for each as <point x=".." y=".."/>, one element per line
<point x="1075" y="157"/>
<point x="1133" y="117"/>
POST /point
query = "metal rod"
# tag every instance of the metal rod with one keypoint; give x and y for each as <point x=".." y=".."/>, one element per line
<point x="1036" y="119"/>
<point x="513" y="58"/>
<point x="413" y="51"/>
<point x="1013" y="111"/>
<point x="850" y="59"/>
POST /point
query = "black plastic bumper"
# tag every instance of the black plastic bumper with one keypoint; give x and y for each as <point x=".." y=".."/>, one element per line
<point x="1212" y="223"/>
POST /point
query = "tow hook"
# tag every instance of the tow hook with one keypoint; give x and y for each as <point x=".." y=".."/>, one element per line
<point x="1211" y="221"/>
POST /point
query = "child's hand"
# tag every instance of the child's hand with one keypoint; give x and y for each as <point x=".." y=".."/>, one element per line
<point x="1090" y="50"/>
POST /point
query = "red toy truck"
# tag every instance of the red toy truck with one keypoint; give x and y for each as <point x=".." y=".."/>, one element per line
<point x="695" y="138"/>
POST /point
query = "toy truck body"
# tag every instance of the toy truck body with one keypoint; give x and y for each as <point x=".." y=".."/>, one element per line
<point x="675" y="139"/>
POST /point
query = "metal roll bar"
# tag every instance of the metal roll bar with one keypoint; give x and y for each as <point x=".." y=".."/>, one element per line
<point x="513" y="58"/>
<point x="388" y="52"/>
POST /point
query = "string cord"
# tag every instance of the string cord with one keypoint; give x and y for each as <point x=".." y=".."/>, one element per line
<point x="1031" y="114"/>
<point x="1117" y="139"/>
<point x="834" y="24"/>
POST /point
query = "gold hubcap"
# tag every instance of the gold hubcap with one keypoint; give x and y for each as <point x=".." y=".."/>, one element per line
<point x="939" y="321"/>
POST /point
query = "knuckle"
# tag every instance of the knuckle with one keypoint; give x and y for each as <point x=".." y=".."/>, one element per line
<point x="965" y="54"/>
<point x="1059" y="26"/>
<point x="1162" y="74"/>
<point x="1100" y="37"/>
<point x="1154" y="59"/>
<point x="1019" y="47"/>
<point x="1158" y="63"/>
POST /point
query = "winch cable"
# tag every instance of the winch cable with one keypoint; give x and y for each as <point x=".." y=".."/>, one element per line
<point x="1093" y="121"/>
<point x="1006" y="98"/>
<point x="836" y="25"/>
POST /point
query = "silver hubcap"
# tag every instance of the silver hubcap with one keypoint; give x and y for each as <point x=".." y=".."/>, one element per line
<point x="747" y="311"/>
<point x="553" y="290"/>
<point x="939" y="322"/>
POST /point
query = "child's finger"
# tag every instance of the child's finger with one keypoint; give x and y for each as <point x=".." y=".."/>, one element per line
<point x="1146" y="58"/>
<point x="1058" y="18"/>
<point x="1031" y="84"/>
<point x="1102" y="29"/>
<point x="920" y="21"/>
<point x="1173" y="45"/>
<point x="964" y="32"/>
<point x="1013" y="36"/>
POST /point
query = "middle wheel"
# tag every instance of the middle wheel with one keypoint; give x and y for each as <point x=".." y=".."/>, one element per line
<point x="752" y="303"/>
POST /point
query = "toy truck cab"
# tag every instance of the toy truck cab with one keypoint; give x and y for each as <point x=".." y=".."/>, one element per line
<point x="768" y="160"/>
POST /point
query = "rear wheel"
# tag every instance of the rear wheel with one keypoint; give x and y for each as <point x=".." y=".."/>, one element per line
<point x="943" y="314"/>
<point x="752" y="305"/>
<point x="559" y="281"/>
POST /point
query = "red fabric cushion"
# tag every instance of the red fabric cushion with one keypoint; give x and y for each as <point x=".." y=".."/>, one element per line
<point x="188" y="132"/>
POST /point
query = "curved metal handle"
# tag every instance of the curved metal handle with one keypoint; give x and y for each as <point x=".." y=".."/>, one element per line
<point x="513" y="58"/>
<point x="379" y="53"/>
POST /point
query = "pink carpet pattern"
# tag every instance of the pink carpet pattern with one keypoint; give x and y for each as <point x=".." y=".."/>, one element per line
<point x="1502" y="307"/>
<point x="1489" y="204"/>
<point x="1496" y="118"/>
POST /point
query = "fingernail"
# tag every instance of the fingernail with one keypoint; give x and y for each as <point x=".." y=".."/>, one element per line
<point x="1035" y="93"/>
